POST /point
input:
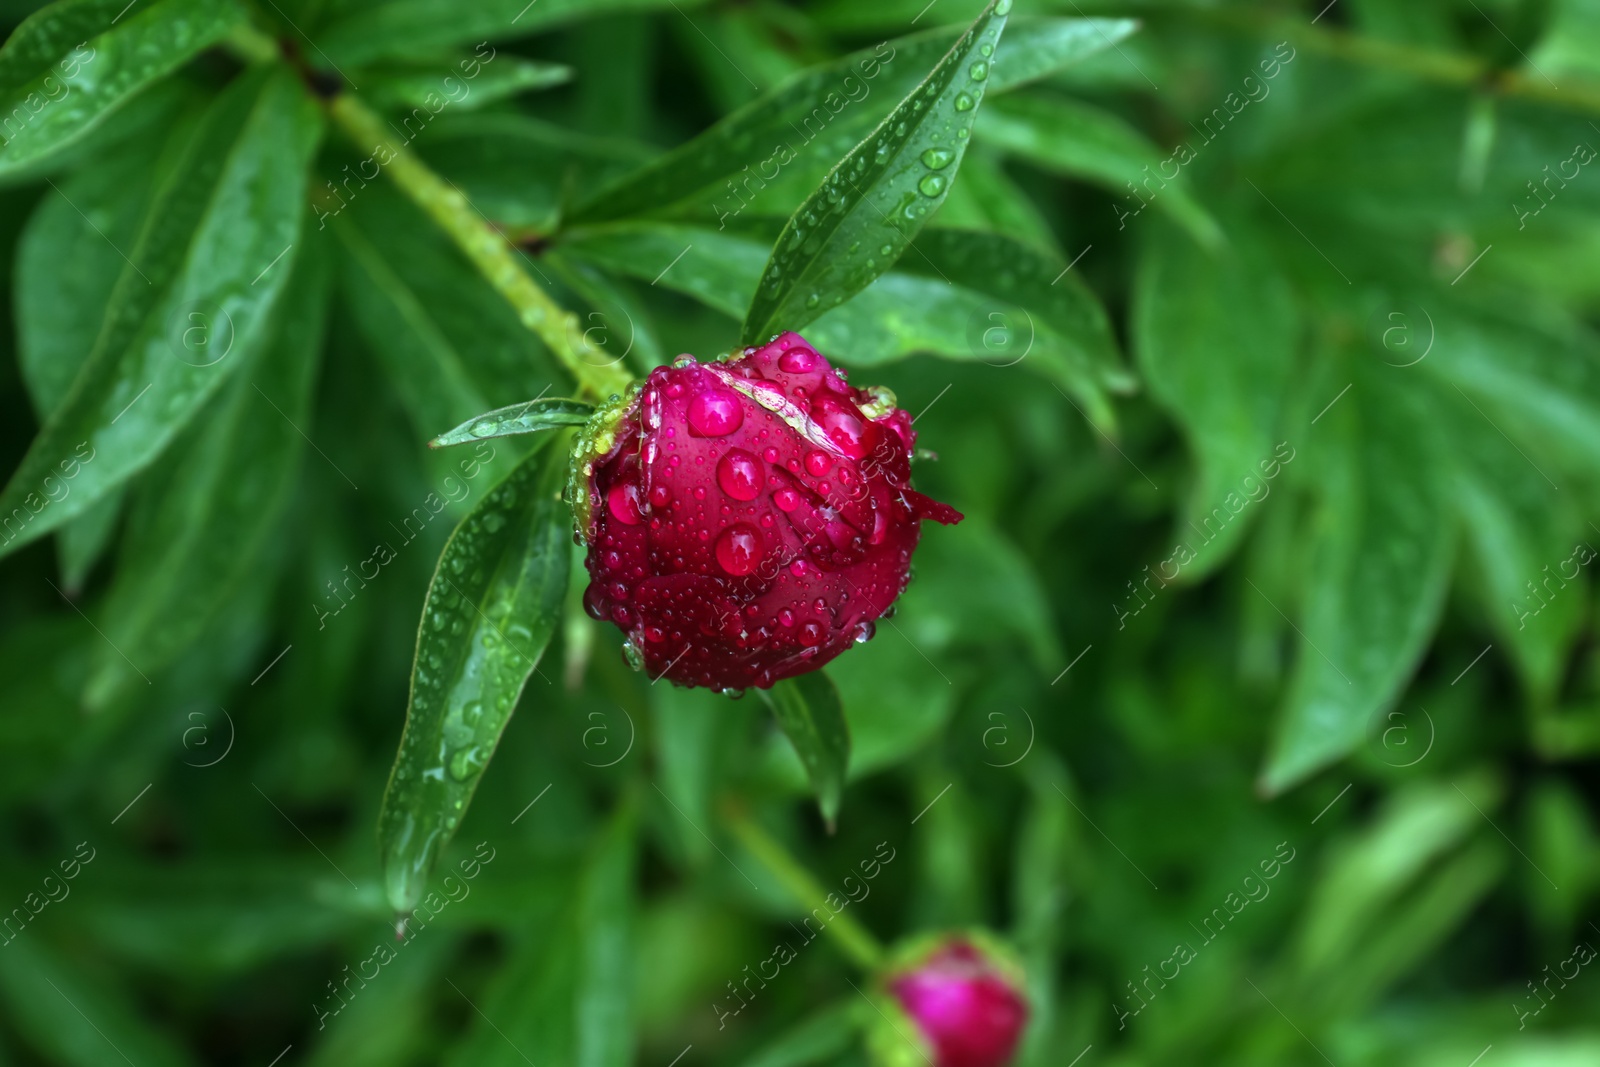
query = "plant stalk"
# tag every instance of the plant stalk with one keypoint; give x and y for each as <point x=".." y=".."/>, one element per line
<point x="856" y="941"/>
<point x="484" y="245"/>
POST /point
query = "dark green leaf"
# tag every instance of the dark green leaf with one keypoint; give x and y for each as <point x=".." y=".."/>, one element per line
<point x="531" y="417"/>
<point x="67" y="67"/>
<point x="961" y="295"/>
<point x="194" y="299"/>
<point x="451" y="346"/>
<point x="1083" y="141"/>
<point x="95" y="212"/>
<point x="1380" y="562"/>
<point x="72" y="1017"/>
<point x="206" y="512"/>
<point x="871" y="206"/>
<point x="1220" y="374"/>
<point x="566" y="994"/>
<point x="493" y="604"/>
<point x="374" y="29"/>
<point x="463" y="83"/>
<point x="821" y="113"/>
<point x="807" y="707"/>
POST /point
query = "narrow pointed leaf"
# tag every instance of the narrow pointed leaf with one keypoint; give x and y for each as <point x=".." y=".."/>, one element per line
<point x="65" y="264"/>
<point x="1375" y="584"/>
<point x="809" y="114"/>
<point x="493" y="604"/>
<point x="1221" y="376"/>
<point x="466" y="82"/>
<point x="70" y="65"/>
<point x="208" y="509"/>
<point x="812" y="717"/>
<point x="868" y="209"/>
<point x="195" y="297"/>
<point x="535" y="415"/>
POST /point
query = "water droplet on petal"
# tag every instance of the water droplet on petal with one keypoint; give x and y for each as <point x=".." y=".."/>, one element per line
<point x="739" y="549"/>
<point x="715" y="412"/>
<point x="622" y="500"/>
<point x="786" y="499"/>
<point x="739" y="474"/>
<point x="818" y="463"/>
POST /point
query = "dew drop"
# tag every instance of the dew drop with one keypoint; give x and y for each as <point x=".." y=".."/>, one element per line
<point x="937" y="158"/>
<point x="932" y="185"/>
<point x="797" y="360"/>
<point x="715" y="412"/>
<point x="739" y="549"/>
<point x="811" y="634"/>
<point x="978" y="71"/>
<point x="786" y="499"/>
<point x="818" y="463"/>
<point x="739" y="474"/>
<point x="964" y="102"/>
<point x="622" y="500"/>
<point x="813" y="300"/>
<point x="863" y="632"/>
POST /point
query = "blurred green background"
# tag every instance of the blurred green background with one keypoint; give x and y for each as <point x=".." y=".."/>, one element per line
<point x="1254" y="340"/>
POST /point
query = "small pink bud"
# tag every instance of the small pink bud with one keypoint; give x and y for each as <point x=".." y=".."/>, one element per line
<point x="967" y="1005"/>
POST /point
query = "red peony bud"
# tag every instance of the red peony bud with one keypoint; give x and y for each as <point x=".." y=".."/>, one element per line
<point x="967" y="1005"/>
<point x="747" y="519"/>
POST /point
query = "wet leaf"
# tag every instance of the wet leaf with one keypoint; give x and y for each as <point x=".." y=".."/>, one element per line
<point x="808" y="709"/>
<point x="493" y="604"/>
<point x="531" y="417"/>
<point x="70" y="65"/>
<point x="870" y="207"/>
<point x="195" y="297"/>
<point x="820" y="113"/>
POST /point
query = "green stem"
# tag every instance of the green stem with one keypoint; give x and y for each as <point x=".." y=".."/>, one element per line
<point x="485" y="246"/>
<point x="856" y="941"/>
<point x="1445" y="68"/>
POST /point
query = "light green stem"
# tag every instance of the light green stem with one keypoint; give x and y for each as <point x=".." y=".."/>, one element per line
<point x="856" y="941"/>
<point x="485" y="246"/>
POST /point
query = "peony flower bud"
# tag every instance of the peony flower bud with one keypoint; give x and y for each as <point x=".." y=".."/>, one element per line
<point x="962" y="998"/>
<point x="747" y="519"/>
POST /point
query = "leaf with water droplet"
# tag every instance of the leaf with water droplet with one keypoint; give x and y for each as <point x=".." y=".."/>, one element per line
<point x="825" y="268"/>
<point x="86" y="59"/>
<point x="811" y="715"/>
<point x="548" y="413"/>
<point x="789" y="117"/>
<point x="513" y="578"/>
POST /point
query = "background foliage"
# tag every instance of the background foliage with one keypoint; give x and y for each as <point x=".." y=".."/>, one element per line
<point x="1255" y="342"/>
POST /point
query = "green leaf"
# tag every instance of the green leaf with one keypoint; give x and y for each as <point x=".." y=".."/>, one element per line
<point x="1219" y="374"/>
<point x="868" y="209"/>
<point x="1082" y="141"/>
<point x="689" y="737"/>
<point x="820" y="113"/>
<point x="374" y="29"/>
<point x="192" y="302"/>
<point x="1381" y="556"/>
<point x="960" y="295"/>
<point x="450" y="345"/>
<point x="205" y="514"/>
<point x="1522" y="530"/>
<point x="95" y="212"/>
<point x="463" y="83"/>
<point x="566" y="993"/>
<point x="808" y="709"/>
<point x="72" y="1017"/>
<point x="535" y="415"/>
<point x="69" y="66"/>
<point x="494" y="602"/>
